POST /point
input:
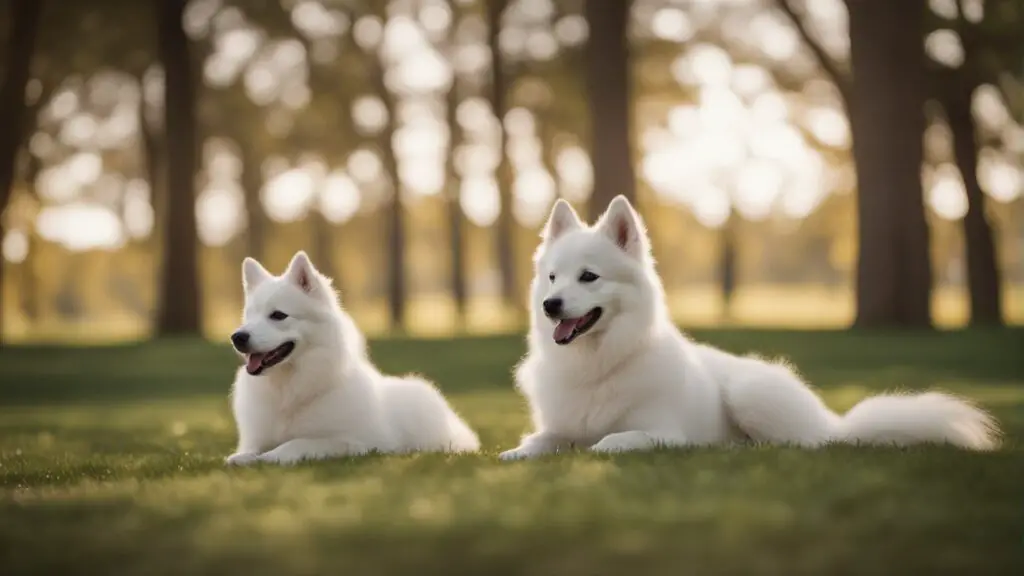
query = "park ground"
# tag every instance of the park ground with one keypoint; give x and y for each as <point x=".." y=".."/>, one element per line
<point x="111" y="463"/>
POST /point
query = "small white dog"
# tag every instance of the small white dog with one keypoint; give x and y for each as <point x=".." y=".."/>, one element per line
<point x="607" y="370"/>
<point x="308" y="389"/>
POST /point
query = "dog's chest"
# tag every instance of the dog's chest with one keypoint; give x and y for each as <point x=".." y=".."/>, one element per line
<point x="288" y="417"/>
<point x="582" y="414"/>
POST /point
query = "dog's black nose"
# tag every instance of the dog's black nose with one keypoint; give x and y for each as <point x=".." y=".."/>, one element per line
<point x="553" y="306"/>
<point x="240" y="340"/>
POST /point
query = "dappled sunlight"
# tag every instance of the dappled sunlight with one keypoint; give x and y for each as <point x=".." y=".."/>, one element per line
<point x="946" y="193"/>
<point x="15" y="246"/>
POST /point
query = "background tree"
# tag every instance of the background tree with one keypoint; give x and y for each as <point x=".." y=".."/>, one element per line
<point x="884" y="95"/>
<point x="456" y="218"/>
<point x="180" y="310"/>
<point x="505" y="232"/>
<point x="609" y="98"/>
<point x="23" y="19"/>
<point x="397" y="288"/>
<point x="990" y="46"/>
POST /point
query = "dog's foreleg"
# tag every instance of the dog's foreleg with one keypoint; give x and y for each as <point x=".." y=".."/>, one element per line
<point x="536" y="444"/>
<point x="242" y="458"/>
<point x="636" y="440"/>
<point x="294" y="451"/>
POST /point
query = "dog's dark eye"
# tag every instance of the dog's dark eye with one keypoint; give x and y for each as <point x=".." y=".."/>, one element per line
<point x="278" y="315"/>
<point x="587" y="277"/>
<point x="551" y="277"/>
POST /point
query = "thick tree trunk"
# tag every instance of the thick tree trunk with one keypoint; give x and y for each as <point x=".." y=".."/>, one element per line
<point x="982" y="264"/>
<point x="252" y="183"/>
<point x="505" y="231"/>
<point x="608" y="89"/>
<point x="180" y="310"/>
<point x="887" y="120"/>
<point x="24" y="18"/>
<point x="456" y="220"/>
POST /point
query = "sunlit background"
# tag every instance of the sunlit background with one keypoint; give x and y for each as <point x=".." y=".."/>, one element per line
<point x="735" y="127"/>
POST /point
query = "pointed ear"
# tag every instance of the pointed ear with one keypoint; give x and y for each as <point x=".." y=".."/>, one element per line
<point x="253" y="274"/>
<point x="562" y="219"/>
<point x="302" y="273"/>
<point x="623" y="226"/>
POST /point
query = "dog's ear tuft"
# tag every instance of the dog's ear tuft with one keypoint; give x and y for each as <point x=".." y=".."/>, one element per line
<point x="253" y="274"/>
<point x="623" y="226"/>
<point x="562" y="219"/>
<point x="302" y="273"/>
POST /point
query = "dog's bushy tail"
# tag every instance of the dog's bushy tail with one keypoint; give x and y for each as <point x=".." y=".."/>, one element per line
<point x="770" y="403"/>
<point x="463" y="439"/>
<point x="915" y="418"/>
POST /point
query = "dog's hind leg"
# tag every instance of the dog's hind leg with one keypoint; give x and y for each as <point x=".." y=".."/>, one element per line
<point x="536" y="444"/>
<point x="770" y="403"/>
<point x="300" y="449"/>
<point x="636" y="440"/>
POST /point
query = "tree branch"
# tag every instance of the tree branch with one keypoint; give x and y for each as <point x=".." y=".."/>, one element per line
<point x="825" y="61"/>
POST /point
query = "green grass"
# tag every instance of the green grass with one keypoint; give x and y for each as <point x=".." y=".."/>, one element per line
<point x="111" y="463"/>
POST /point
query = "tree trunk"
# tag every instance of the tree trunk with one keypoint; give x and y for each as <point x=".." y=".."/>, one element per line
<point x="180" y="310"/>
<point x="727" y="271"/>
<point x="322" y="232"/>
<point x="397" y="294"/>
<point x="887" y="121"/>
<point x="23" y="21"/>
<point x="548" y="153"/>
<point x="29" y="288"/>
<point x="505" y="232"/>
<point x="982" y="265"/>
<point x="456" y="220"/>
<point x="153" y="151"/>
<point x="608" y="89"/>
<point x="252" y="183"/>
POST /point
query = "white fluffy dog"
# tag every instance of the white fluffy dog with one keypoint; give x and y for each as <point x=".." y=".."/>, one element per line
<point x="608" y="371"/>
<point x="308" y="389"/>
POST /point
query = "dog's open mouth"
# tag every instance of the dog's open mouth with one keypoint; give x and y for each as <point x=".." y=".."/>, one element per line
<point x="569" y="329"/>
<point x="257" y="362"/>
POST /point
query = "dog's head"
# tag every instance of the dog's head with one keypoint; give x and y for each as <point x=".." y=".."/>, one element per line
<point x="284" y="315"/>
<point x="588" y="278"/>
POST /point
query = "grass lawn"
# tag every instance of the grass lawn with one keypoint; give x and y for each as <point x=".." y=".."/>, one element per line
<point x="111" y="463"/>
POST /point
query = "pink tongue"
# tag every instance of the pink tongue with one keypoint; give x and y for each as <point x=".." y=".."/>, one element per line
<point x="564" y="328"/>
<point x="252" y="363"/>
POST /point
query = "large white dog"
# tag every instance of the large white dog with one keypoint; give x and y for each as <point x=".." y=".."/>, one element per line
<point x="308" y="389"/>
<point x="608" y="371"/>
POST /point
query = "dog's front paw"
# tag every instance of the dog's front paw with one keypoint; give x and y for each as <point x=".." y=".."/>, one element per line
<point x="242" y="459"/>
<point x="611" y="447"/>
<point x="520" y="453"/>
<point x="623" y="442"/>
<point x="282" y="458"/>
